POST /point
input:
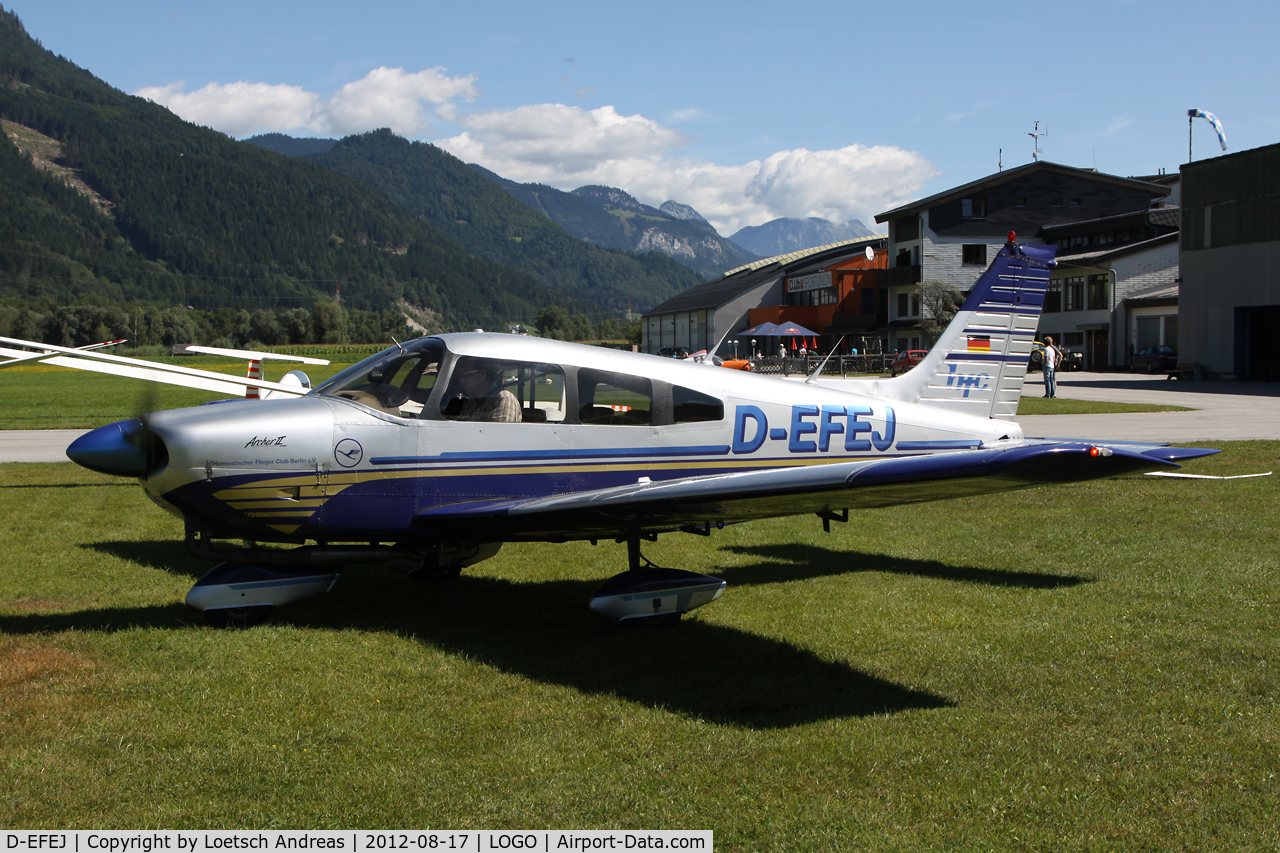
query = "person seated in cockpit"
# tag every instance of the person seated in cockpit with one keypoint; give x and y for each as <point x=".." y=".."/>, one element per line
<point x="482" y="396"/>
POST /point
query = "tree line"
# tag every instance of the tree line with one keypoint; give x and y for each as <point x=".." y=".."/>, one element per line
<point x="326" y="322"/>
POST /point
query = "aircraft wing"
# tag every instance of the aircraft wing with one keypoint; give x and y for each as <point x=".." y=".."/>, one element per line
<point x="20" y="356"/>
<point x="136" y="368"/>
<point x="859" y="484"/>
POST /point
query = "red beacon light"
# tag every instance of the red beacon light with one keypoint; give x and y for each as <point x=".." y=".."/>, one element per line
<point x="1012" y="236"/>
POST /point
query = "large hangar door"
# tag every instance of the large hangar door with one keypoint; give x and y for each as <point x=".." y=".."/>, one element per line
<point x="1258" y="343"/>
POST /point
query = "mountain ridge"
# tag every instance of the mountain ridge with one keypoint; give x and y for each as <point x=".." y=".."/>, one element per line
<point x="613" y="218"/>
<point x="200" y="219"/>
<point x="788" y="234"/>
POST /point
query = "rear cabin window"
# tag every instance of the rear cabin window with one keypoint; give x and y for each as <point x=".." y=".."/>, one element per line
<point x="615" y="399"/>
<point x="689" y="406"/>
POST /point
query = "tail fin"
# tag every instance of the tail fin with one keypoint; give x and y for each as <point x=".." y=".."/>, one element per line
<point x="979" y="363"/>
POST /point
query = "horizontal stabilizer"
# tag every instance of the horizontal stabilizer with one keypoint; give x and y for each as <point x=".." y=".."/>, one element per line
<point x="253" y="355"/>
<point x="154" y="371"/>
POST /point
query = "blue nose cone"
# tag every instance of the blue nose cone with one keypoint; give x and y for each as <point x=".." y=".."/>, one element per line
<point x="125" y="449"/>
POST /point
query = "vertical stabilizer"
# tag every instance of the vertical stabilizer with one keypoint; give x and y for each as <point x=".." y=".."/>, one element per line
<point x="979" y="363"/>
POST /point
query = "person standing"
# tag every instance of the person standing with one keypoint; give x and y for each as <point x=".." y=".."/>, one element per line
<point x="1052" y="358"/>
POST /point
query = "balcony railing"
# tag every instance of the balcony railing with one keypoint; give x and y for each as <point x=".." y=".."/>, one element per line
<point x="899" y="276"/>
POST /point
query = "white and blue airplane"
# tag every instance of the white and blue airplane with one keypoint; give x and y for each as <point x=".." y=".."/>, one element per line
<point x="431" y="454"/>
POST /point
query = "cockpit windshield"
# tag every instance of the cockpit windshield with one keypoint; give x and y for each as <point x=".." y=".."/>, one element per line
<point x="399" y="380"/>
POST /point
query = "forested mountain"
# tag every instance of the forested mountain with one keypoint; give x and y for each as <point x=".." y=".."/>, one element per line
<point x="291" y="146"/>
<point x="175" y="214"/>
<point x="491" y="224"/>
<point x="612" y="218"/>
<point x="782" y="236"/>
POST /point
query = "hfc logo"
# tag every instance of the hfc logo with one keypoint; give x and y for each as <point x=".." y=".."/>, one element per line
<point x="967" y="381"/>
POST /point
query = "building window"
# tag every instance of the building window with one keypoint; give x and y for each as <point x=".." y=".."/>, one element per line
<point x="1074" y="293"/>
<point x="902" y="305"/>
<point x="1020" y="201"/>
<point x="915" y="304"/>
<point x="1075" y="202"/>
<point x="1053" y="297"/>
<point x="1073" y="339"/>
<point x="975" y="253"/>
<point x="1057" y="202"/>
<point x="973" y="208"/>
<point x="1099" y="292"/>
<point x="817" y="296"/>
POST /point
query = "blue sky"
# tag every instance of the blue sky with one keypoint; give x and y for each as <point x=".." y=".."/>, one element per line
<point x="747" y="111"/>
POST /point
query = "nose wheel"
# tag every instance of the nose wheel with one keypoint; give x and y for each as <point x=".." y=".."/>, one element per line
<point x="238" y="617"/>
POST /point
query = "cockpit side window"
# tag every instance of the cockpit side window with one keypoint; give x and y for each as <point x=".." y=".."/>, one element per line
<point x="614" y="398"/>
<point x="398" y="381"/>
<point x="486" y="389"/>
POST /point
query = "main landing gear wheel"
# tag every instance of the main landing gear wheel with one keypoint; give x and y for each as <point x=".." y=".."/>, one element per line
<point x="431" y="572"/>
<point x="238" y="617"/>
<point x="650" y="595"/>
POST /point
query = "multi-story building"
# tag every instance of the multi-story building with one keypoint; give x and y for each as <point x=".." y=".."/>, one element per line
<point x="1229" y="303"/>
<point x="952" y="236"/>
<point x="831" y="290"/>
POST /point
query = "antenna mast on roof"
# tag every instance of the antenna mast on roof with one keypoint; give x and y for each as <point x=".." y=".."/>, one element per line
<point x="1035" y="135"/>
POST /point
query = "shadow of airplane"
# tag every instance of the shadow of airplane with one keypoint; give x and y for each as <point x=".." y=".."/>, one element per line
<point x="791" y="562"/>
<point x="167" y="555"/>
<point x="542" y="631"/>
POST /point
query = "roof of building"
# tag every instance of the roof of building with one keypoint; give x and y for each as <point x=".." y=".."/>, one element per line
<point x="1049" y="232"/>
<point x="1103" y="255"/>
<point x="1169" y="217"/>
<point x="791" y="257"/>
<point x="1163" y="291"/>
<point x="714" y="293"/>
<point x="998" y="178"/>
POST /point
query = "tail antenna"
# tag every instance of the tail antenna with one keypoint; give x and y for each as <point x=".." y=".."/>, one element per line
<point x="812" y="380"/>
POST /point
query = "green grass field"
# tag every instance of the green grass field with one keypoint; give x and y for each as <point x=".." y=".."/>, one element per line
<point x="1085" y="667"/>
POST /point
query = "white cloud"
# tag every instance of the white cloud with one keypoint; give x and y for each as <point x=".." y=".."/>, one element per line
<point x="239" y="109"/>
<point x="568" y="146"/>
<point x="385" y="97"/>
<point x="555" y="143"/>
<point x="1118" y="123"/>
<point x="685" y="115"/>
<point x="388" y="97"/>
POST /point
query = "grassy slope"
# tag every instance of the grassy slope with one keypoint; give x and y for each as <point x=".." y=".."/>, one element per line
<point x="1089" y="667"/>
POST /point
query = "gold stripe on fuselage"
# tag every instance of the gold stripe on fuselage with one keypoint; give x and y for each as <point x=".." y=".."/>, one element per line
<point x="337" y="481"/>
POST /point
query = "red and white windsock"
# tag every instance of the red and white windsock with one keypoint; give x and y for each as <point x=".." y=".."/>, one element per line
<point x="255" y="372"/>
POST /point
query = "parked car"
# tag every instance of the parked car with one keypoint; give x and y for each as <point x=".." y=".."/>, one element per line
<point x="1154" y="359"/>
<point x="674" y="352"/>
<point x="906" y="360"/>
<point x="1070" y="360"/>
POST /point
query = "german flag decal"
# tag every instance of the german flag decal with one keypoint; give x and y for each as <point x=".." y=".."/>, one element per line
<point x="979" y="343"/>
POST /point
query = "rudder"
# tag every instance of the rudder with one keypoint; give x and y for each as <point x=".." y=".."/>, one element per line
<point x="979" y="364"/>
